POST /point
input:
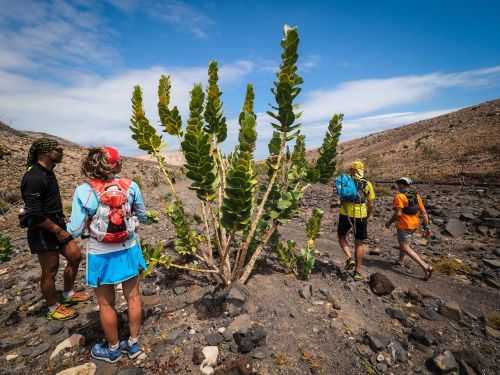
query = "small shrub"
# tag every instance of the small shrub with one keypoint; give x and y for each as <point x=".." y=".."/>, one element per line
<point x="493" y="319"/>
<point x="4" y="207"/>
<point x="5" y="248"/>
<point x="302" y="264"/>
<point x="430" y="153"/>
<point x="450" y="266"/>
<point x="153" y="216"/>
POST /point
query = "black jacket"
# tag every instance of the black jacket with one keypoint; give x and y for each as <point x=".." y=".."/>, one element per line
<point x="42" y="199"/>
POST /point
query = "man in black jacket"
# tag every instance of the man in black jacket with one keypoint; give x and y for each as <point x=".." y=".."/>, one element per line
<point x="47" y="237"/>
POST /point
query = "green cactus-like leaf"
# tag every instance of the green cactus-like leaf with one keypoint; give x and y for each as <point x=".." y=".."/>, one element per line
<point x="286" y="252"/>
<point x="143" y="133"/>
<point x="327" y="163"/>
<point x="287" y="86"/>
<point x="247" y="119"/>
<point x="215" y="122"/>
<point x="170" y="119"/>
<point x="197" y="148"/>
<point x="313" y="225"/>
<point x="240" y="185"/>
<point x="186" y="241"/>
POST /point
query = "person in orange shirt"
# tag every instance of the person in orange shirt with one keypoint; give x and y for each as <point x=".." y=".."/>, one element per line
<point x="408" y="207"/>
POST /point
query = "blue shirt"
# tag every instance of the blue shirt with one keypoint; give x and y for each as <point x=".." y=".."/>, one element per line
<point x="85" y="203"/>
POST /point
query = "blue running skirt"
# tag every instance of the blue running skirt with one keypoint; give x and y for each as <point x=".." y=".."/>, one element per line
<point x="114" y="268"/>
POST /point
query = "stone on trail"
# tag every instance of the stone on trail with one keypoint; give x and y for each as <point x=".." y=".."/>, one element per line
<point x="445" y="361"/>
<point x="380" y="284"/>
<point x="214" y="339"/>
<point x="306" y="291"/>
<point x="451" y="310"/>
<point x="72" y="342"/>
<point x="492" y="263"/>
<point x="492" y="332"/>
<point x="423" y="337"/>
<point x="241" y="324"/>
<point x="211" y="353"/>
<point x="455" y="228"/>
<point x="88" y="368"/>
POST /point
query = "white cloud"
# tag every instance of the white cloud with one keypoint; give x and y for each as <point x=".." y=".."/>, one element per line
<point x="44" y="36"/>
<point x="96" y="110"/>
<point x="355" y="98"/>
<point x="179" y="14"/>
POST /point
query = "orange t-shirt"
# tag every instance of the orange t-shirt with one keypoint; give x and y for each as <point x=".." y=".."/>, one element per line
<point x="407" y="222"/>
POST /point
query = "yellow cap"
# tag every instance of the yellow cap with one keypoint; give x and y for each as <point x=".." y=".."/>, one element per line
<point x="357" y="165"/>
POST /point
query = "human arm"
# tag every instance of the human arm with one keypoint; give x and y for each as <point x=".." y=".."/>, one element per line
<point x="425" y="217"/>
<point x="79" y="213"/>
<point x="395" y="216"/>
<point x="138" y="206"/>
<point x="370" y="199"/>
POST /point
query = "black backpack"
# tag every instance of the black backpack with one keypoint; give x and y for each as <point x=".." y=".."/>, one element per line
<point x="361" y="187"/>
<point x="413" y="207"/>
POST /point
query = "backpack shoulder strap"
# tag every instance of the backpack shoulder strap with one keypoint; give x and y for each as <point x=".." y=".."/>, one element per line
<point x="123" y="183"/>
<point x="97" y="185"/>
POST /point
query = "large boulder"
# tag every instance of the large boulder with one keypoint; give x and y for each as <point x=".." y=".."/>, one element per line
<point x="380" y="284"/>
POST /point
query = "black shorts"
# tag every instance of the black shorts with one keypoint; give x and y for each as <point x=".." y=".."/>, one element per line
<point x="41" y="241"/>
<point x="360" y="227"/>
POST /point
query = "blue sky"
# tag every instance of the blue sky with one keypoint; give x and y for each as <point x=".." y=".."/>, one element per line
<point x="68" y="67"/>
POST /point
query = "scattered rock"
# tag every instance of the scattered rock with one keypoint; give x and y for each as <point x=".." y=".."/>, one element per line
<point x="11" y="357"/>
<point x="380" y="284"/>
<point x="330" y="298"/>
<point x="306" y="291"/>
<point x="492" y="332"/>
<point x="467" y="216"/>
<point x="214" y="339"/>
<point x="451" y="310"/>
<point x="54" y="327"/>
<point x="88" y="368"/>
<point x="376" y="342"/>
<point x="210" y="353"/>
<point x="130" y="371"/>
<point x="396" y="314"/>
<point x="198" y="356"/>
<point x="252" y="338"/>
<point x="241" y="324"/>
<point x="445" y="361"/>
<point x="72" y="342"/>
<point x="175" y="335"/>
<point x="423" y="337"/>
<point x="428" y="312"/>
<point x="455" y="228"/>
<point x="39" y="350"/>
<point x="492" y="263"/>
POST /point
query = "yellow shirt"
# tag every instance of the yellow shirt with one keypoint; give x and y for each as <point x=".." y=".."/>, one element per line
<point x="358" y="210"/>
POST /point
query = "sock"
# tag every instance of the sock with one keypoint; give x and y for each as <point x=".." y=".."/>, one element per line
<point x="53" y="307"/>
<point x="114" y="347"/>
<point x="68" y="294"/>
<point x="132" y="340"/>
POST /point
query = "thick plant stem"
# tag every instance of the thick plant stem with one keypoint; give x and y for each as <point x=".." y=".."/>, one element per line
<point x="192" y="269"/>
<point x="210" y="258"/>
<point x="222" y="169"/>
<point x="225" y="263"/>
<point x="163" y="169"/>
<point x="256" y="254"/>
<point x="215" y="224"/>
<point x="242" y="253"/>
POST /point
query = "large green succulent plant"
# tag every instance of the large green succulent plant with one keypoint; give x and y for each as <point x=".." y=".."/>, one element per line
<point x="239" y="216"/>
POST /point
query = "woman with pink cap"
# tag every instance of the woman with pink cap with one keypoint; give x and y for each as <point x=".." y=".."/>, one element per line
<point x="108" y="209"/>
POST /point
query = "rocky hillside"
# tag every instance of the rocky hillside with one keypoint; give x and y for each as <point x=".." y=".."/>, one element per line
<point x="14" y="146"/>
<point x="462" y="144"/>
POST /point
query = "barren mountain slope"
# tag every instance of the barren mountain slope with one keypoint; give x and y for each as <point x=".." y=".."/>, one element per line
<point x="14" y="146"/>
<point x="464" y="143"/>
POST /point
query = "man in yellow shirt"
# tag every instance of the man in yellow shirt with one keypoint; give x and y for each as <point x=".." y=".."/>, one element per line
<point x="354" y="216"/>
<point x="408" y="207"/>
